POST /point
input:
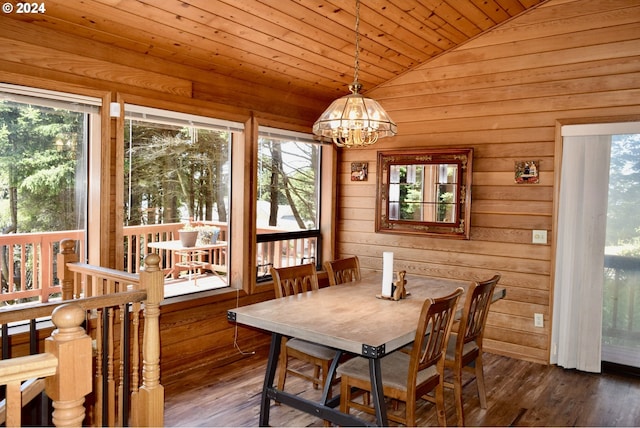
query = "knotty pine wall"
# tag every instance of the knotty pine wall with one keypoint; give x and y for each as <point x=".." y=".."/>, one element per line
<point x="502" y="94"/>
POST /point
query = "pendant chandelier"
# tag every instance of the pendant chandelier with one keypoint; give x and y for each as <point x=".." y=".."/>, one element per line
<point x="353" y="120"/>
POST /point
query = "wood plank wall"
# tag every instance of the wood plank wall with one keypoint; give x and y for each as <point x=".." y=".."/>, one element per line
<point x="193" y="332"/>
<point x="501" y="94"/>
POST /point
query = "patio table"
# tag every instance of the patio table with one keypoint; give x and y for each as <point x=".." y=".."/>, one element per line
<point x="189" y="258"/>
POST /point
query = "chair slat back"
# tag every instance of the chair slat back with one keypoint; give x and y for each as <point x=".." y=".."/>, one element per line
<point x="291" y="280"/>
<point x="343" y="270"/>
<point x="432" y="334"/>
<point x="476" y="308"/>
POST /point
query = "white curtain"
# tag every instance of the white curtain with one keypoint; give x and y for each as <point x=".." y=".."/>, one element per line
<point x="577" y="311"/>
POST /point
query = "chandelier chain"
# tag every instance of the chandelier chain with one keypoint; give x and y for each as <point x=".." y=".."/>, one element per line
<point x="353" y="120"/>
<point x="357" y="55"/>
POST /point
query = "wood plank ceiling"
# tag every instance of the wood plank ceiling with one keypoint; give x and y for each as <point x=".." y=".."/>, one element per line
<point x="301" y="46"/>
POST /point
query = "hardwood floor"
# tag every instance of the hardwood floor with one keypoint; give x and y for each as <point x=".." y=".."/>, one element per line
<point x="519" y="394"/>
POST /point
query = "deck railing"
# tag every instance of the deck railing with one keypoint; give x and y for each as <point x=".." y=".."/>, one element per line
<point x="621" y="319"/>
<point x="27" y="264"/>
<point x="136" y="239"/>
<point x="282" y="249"/>
<point x="29" y="271"/>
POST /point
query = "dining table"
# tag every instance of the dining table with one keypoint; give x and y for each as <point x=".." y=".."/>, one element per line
<point x="351" y="318"/>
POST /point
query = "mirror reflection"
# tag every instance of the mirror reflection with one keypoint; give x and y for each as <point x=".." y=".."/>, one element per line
<point x="425" y="191"/>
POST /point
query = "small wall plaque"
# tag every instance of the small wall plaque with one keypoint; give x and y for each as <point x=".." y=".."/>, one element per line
<point x="359" y="171"/>
<point x="527" y="172"/>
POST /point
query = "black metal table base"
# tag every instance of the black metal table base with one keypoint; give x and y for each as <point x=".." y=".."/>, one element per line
<point x="326" y="408"/>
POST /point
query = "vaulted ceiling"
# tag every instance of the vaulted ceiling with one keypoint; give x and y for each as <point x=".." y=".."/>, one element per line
<point x="301" y="46"/>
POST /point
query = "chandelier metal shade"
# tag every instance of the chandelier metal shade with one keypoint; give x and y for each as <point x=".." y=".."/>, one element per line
<point x="353" y="120"/>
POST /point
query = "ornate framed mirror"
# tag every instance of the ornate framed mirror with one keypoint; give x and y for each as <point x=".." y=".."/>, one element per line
<point x="425" y="192"/>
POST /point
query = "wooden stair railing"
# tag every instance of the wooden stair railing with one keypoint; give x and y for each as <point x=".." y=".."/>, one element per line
<point x="115" y="392"/>
<point x="122" y="321"/>
<point x="65" y="366"/>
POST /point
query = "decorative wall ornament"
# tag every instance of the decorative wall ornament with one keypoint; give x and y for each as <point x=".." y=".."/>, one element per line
<point x="359" y="171"/>
<point x="527" y="172"/>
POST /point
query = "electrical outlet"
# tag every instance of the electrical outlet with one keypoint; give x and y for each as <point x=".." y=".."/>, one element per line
<point x="539" y="237"/>
<point x="538" y="320"/>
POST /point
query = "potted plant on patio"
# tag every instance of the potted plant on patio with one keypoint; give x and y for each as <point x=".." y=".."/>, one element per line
<point x="188" y="235"/>
<point x="207" y="234"/>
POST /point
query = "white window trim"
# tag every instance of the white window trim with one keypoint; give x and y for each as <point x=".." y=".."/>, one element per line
<point x="168" y="117"/>
<point x="47" y="98"/>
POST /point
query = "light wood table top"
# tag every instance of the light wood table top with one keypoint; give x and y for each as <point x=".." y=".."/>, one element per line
<point x="349" y="316"/>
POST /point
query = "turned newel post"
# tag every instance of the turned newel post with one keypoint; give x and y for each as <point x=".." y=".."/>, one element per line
<point x="72" y="381"/>
<point x="66" y="255"/>
<point x="151" y="394"/>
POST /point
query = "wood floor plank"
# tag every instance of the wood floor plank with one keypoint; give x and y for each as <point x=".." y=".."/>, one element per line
<point x="519" y="393"/>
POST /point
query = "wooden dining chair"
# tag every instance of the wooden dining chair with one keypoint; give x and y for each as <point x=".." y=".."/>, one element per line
<point x="289" y="281"/>
<point x="343" y="270"/>
<point x="465" y="345"/>
<point x="408" y="377"/>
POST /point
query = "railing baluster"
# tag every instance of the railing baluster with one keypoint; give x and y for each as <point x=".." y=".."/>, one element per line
<point x="33" y="337"/>
<point x="111" y="384"/>
<point x="135" y="365"/>
<point x="6" y="352"/>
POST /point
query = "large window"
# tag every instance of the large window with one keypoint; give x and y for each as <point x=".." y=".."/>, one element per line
<point x="177" y="173"/>
<point x="44" y="145"/>
<point x="288" y="208"/>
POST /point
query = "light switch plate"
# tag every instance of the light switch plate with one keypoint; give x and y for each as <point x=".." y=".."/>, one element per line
<point x="539" y="237"/>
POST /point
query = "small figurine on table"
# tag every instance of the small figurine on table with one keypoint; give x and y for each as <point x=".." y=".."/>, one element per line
<point x="398" y="289"/>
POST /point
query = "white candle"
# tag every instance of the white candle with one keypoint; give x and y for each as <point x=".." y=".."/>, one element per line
<point x="387" y="273"/>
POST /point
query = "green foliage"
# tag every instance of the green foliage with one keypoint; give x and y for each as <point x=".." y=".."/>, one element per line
<point x="410" y="193"/>
<point x="287" y="175"/>
<point x="175" y="173"/>
<point x="445" y="205"/>
<point x="623" y="223"/>
<point x="39" y="154"/>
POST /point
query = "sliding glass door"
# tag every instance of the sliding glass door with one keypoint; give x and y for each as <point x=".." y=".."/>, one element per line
<point x="596" y="312"/>
<point x="621" y="293"/>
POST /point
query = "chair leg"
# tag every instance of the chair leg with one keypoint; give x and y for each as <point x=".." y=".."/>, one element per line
<point x="282" y="366"/>
<point x="410" y="411"/>
<point x="482" y="393"/>
<point x="345" y="395"/>
<point x="457" y="394"/>
<point x="324" y="379"/>
<point x="316" y="376"/>
<point x="440" y="409"/>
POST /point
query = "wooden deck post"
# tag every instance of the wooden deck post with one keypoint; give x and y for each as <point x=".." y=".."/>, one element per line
<point x="150" y="400"/>
<point x="66" y="255"/>
<point x="72" y="381"/>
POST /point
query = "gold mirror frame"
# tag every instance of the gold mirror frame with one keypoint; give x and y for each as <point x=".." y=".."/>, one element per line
<point x="456" y="164"/>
